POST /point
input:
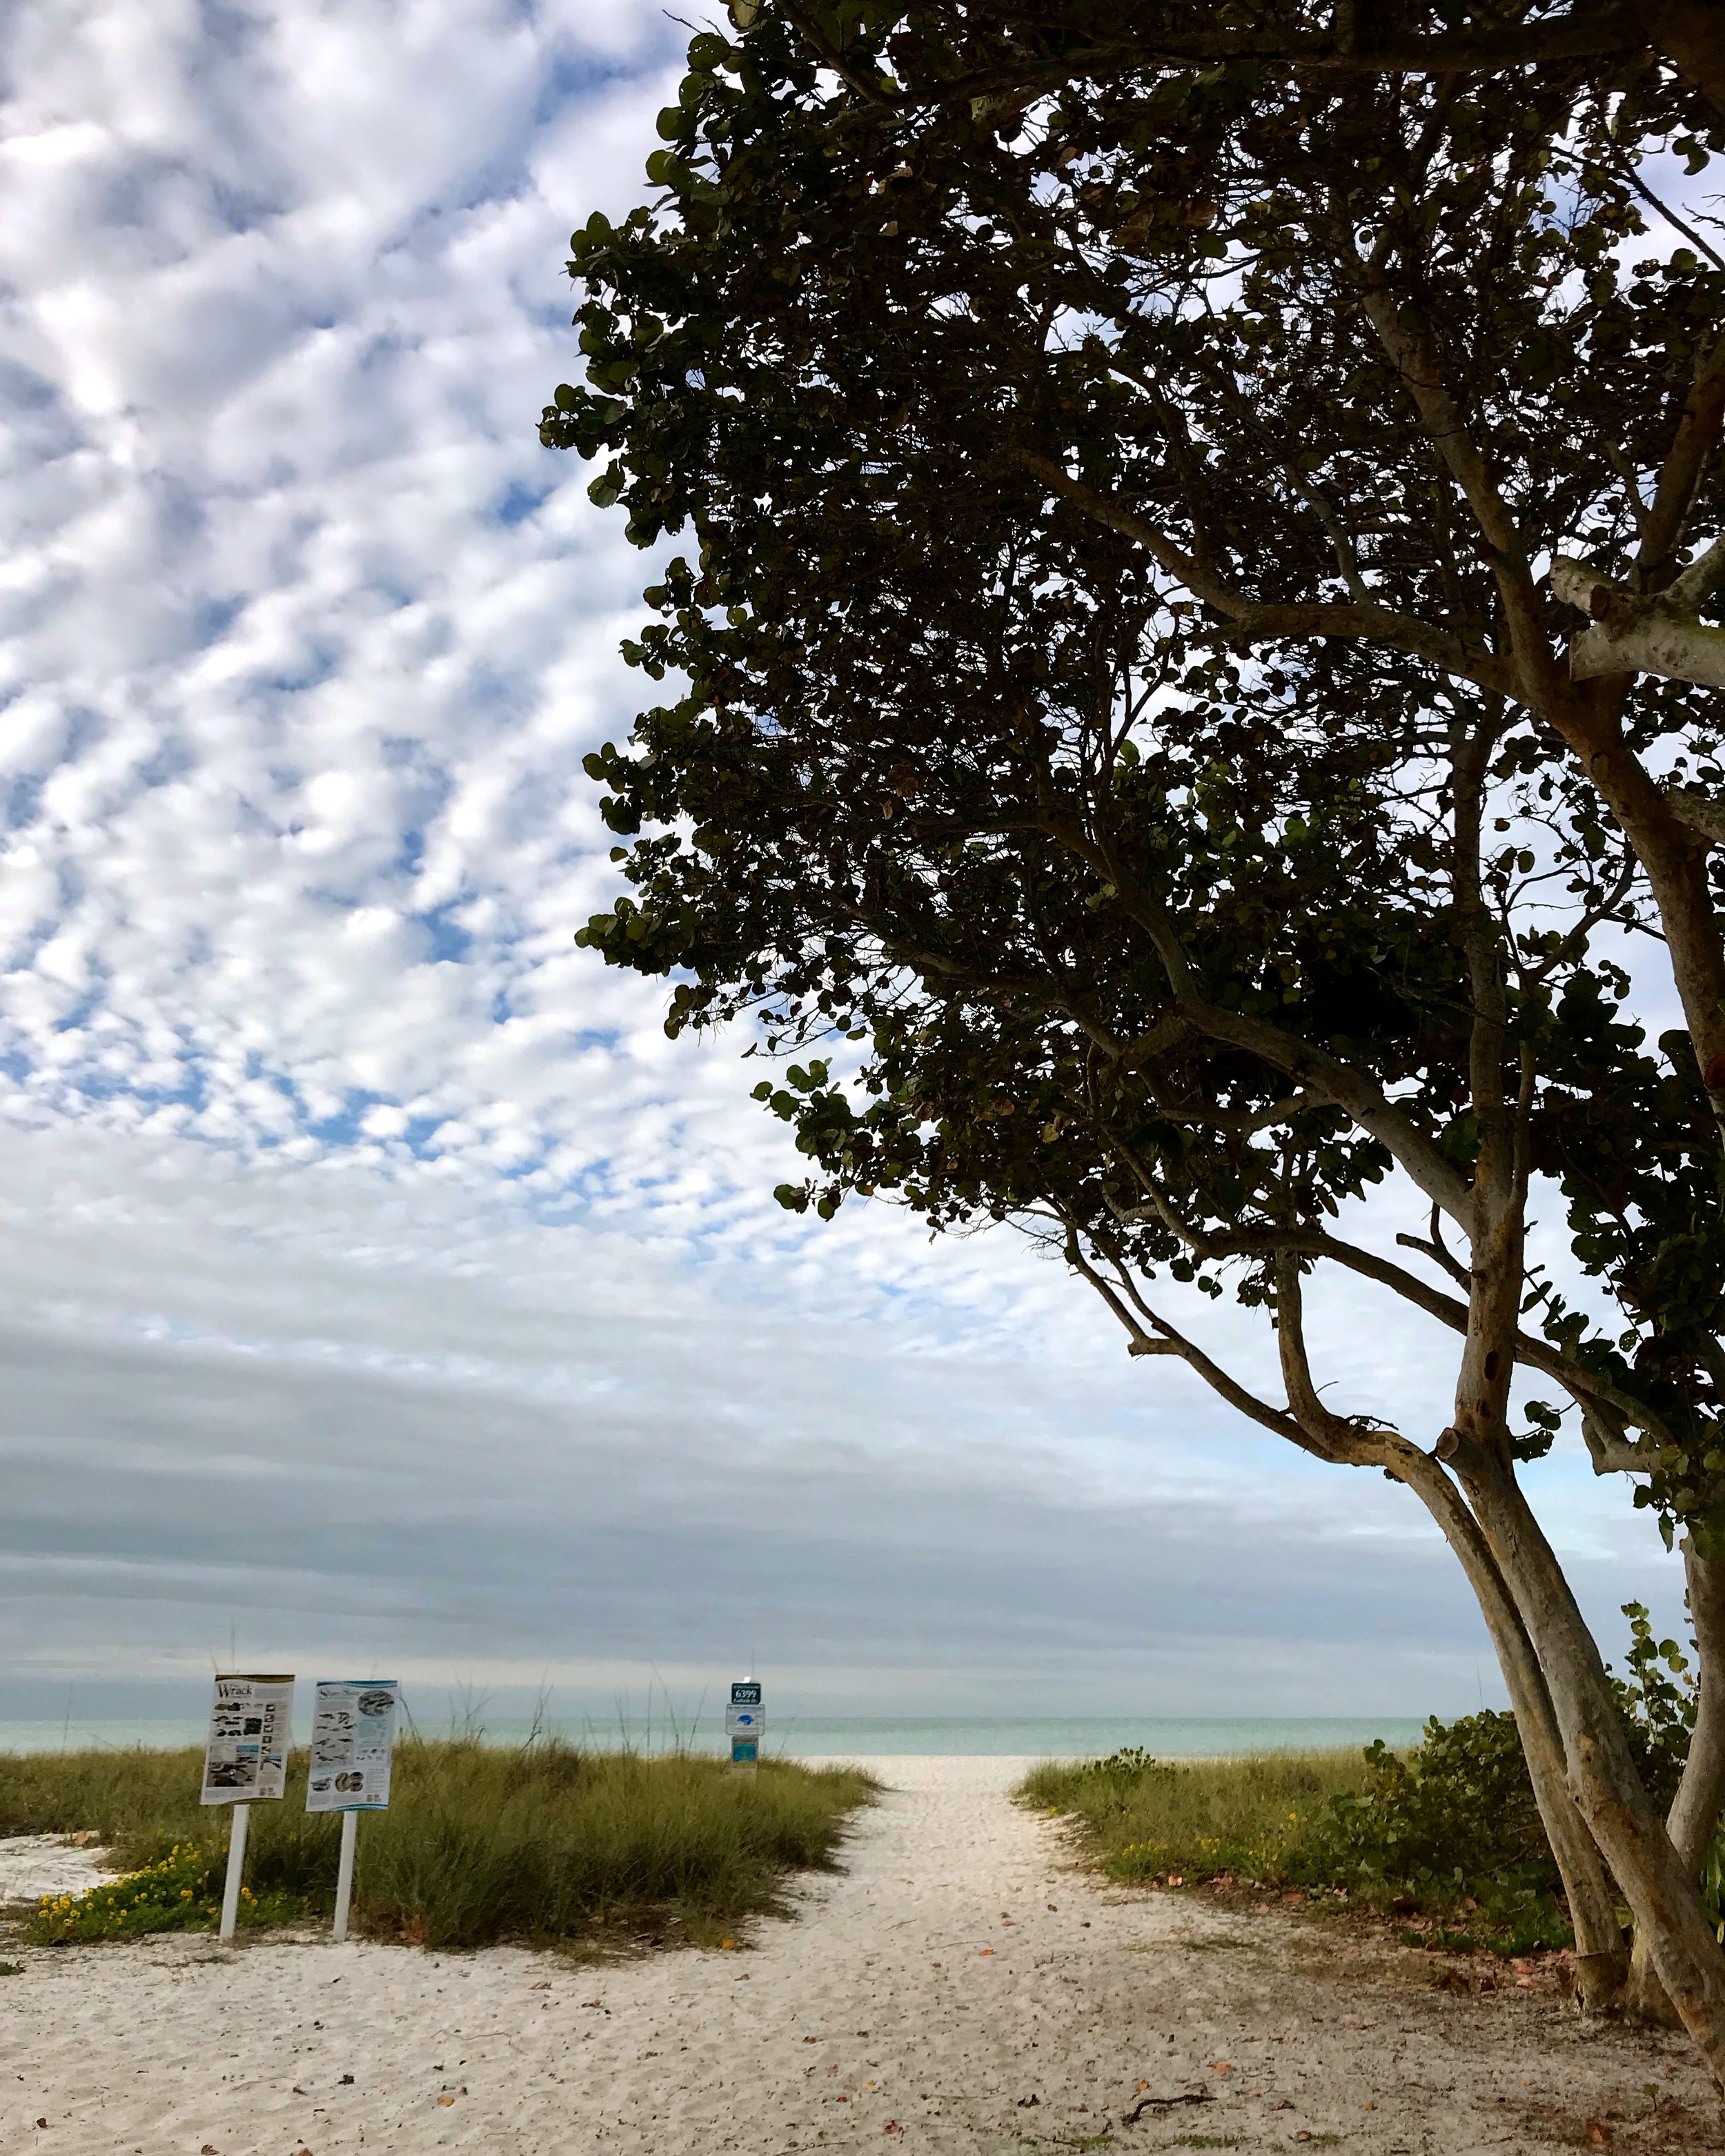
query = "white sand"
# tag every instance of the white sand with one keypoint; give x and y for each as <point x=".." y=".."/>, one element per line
<point x="33" y="1865"/>
<point x="918" y="2001"/>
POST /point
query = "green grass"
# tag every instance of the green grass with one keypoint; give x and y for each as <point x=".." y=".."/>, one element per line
<point x="1148" y="1819"/>
<point x="1445" y="1838"/>
<point x="543" y="1844"/>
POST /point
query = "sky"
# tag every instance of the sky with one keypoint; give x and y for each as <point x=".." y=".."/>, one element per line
<point x="379" y="1289"/>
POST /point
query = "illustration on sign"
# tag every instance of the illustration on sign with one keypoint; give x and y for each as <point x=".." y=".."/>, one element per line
<point x="250" y="1729"/>
<point x="352" y="1740"/>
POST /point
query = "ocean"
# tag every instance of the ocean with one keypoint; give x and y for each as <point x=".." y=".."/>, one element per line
<point x="822" y="1737"/>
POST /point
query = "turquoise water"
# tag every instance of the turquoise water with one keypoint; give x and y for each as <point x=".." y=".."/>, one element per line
<point x="822" y="1737"/>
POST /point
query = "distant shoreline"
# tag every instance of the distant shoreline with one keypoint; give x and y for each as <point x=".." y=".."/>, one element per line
<point x="826" y="1737"/>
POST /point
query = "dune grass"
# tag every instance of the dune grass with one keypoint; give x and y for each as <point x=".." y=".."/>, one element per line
<point x="1151" y="1819"/>
<point x="1445" y="1840"/>
<point x="543" y="1843"/>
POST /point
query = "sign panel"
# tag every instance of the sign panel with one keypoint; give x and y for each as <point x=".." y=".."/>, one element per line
<point x="744" y="1721"/>
<point x="745" y="1751"/>
<point x="352" y="1740"/>
<point x="745" y="1694"/>
<point x="250" y="1729"/>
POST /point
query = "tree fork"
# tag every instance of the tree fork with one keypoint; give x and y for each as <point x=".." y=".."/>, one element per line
<point x="1602" y="1962"/>
<point x="1632" y="1836"/>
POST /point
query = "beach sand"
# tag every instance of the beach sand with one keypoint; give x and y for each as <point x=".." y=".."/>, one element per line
<point x="920" y="1998"/>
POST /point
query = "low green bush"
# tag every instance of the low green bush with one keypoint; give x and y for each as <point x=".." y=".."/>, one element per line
<point x="181" y="1892"/>
<point x="542" y="1843"/>
<point x="1450" y="1833"/>
<point x="1447" y="1836"/>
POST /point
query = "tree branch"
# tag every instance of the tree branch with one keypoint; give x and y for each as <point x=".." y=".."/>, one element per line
<point x="1164" y="1340"/>
<point x="1700" y="811"/>
<point x="1352" y="622"/>
<point x="1413" y="351"/>
<point x="1659" y="634"/>
<point x="1696" y="438"/>
<point x="1317" y="1071"/>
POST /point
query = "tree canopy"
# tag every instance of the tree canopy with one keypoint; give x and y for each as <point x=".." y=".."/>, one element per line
<point x="1192" y="683"/>
<point x="1079" y="564"/>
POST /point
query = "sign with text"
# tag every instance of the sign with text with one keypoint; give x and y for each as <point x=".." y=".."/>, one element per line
<point x="250" y="1728"/>
<point x="746" y="1715"/>
<point x="352" y="1742"/>
<point x="746" y="1722"/>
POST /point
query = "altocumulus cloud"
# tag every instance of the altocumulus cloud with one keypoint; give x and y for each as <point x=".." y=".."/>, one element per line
<point x="378" y="1280"/>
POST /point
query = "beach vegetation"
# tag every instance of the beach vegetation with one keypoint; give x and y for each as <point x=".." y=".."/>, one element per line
<point x="179" y="1892"/>
<point x="545" y="1843"/>
<point x="1191" y="662"/>
<point x="1444" y="1838"/>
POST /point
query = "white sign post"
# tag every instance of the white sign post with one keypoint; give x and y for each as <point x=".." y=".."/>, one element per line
<point x="352" y="1749"/>
<point x="744" y="1724"/>
<point x="245" y="1763"/>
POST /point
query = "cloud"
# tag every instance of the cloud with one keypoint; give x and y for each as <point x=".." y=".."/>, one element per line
<point x="381" y="1280"/>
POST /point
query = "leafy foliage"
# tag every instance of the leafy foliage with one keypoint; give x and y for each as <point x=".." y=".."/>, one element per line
<point x="1451" y="1828"/>
<point x="1657" y="1700"/>
<point x="1083" y="641"/>
<point x="1446" y="1838"/>
<point x="180" y="1892"/>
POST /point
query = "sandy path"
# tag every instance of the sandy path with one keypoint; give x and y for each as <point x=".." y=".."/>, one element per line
<point x="919" y="2000"/>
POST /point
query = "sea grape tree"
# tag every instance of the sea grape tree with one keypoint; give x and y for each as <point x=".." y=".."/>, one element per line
<point x="1192" y="660"/>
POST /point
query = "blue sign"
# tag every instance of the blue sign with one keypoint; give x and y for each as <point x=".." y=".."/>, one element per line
<point x="745" y="1751"/>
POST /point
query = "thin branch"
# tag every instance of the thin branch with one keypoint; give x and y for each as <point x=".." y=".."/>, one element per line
<point x="1352" y="622"/>
<point x="1587" y="33"/>
<point x="1696" y="438"/>
<point x="1165" y="1340"/>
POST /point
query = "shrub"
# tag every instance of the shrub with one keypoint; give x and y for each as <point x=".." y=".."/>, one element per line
<point x="1450" y="1831"/>
<point x="1148" y="1818"/>
<point x="182" y="1892"/>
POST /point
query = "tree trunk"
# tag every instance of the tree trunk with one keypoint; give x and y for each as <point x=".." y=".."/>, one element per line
<point x="1694" y="1816"/>
<point x="1601" y="1960"/>
<point x="1629" y="1833"/>
<point x="1689" y="32"/>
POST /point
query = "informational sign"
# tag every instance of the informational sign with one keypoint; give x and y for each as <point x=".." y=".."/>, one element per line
<point x="352" y="1737"/>
<point x="250" y="1728"/>
<point x="746" y="1723"/>
<point x="746" y="1716"/>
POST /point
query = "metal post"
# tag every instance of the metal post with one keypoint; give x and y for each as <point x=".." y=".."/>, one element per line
<point x="236" y="1829"/>
<point x="344" y="1871"/>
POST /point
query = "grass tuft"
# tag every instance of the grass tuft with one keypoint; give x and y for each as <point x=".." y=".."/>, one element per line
<point x="1446" y="1838"/>
<point x="1149" y="1819"/>
<point x="544" y="1843"/>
